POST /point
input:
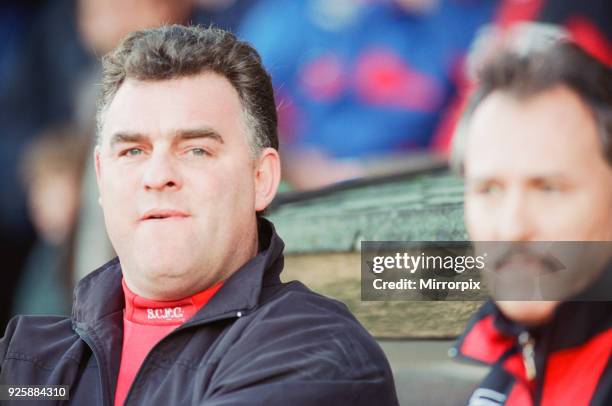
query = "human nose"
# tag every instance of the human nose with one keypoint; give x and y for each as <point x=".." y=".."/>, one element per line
<point x="514" y="220"/>
<point x="160" y="173"/>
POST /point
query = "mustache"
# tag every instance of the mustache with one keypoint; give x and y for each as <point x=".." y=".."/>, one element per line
<point x="547" y="261"/>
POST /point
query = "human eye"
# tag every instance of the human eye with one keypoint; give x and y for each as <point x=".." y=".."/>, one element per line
<point x="490" y="189"/>
<point x="198" y="151"/>
<point x="548" y="186"/>
<point x="131" y="152"/>
<point x="486" y="188"/>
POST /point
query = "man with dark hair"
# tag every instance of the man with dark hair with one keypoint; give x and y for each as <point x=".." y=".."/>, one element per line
<point x="193" y="310"/>
<point x="538" y="167"/>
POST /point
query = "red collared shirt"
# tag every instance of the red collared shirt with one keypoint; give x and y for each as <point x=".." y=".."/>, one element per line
<point x="145" y="323"/>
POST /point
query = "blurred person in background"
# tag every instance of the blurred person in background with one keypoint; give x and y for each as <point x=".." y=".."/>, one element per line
<point x="225" y="14"/>
<point x="16" y="233"/>
<point x="587" y="23"/>
<point x="537" y="161"/>
<point x="360" y="80"/>
<point x="52" y="167"/>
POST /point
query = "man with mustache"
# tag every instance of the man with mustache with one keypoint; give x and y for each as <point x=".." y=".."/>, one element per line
<point x="537" y="162"/>
<point x="193" y="310"/>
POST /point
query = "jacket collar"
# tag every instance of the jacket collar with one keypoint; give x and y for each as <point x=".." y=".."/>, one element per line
<point x="486" y="337"/>
<point x="100" y="295"/>
<point x="489" y="334"/>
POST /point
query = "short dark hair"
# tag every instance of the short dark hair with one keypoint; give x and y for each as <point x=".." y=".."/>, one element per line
<point x="562" y="63"/>
<point x="176" y="51"/>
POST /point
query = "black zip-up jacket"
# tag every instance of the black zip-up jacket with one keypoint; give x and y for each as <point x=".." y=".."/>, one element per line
<point x="256" y="342"/>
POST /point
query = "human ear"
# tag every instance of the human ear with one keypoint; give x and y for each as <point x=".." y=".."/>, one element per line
<point x="267" y="177"/>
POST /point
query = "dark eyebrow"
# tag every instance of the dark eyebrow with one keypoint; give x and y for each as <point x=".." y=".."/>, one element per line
<point x="120" y="137"/>
<point x="183" y="135"/>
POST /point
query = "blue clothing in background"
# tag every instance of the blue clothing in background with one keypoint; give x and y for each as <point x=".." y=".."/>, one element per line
<point x="359" y="78"/>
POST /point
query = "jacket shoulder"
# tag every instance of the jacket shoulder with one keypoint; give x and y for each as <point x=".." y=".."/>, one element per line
<point x="297" y="317"/>
<point x="295" y="296"/>
<point x="308" y="344"/>
<point x="41" y="340"/>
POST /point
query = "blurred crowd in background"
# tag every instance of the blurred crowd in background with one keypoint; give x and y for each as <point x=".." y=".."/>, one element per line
<point x="359" y="84"/>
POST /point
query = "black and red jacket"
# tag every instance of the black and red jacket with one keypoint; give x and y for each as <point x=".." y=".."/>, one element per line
<point x="567" y="361"/>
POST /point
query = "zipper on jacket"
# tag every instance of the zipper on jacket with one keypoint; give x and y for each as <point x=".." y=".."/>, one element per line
<point x="104" y="387"/>
<point x="182" y="327"/>
<point x="527" y="343"/>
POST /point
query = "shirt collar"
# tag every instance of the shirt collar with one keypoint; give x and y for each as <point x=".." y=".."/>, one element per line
<point x="164" y="312"/>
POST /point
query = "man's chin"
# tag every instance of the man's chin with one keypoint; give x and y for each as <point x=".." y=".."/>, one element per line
<point x="160" y="273"/>
<point x="530" y="313"/>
